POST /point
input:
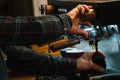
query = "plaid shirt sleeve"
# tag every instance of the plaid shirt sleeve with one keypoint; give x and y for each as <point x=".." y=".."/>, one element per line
<point x="26" y="60"/>
<point x="28" y="30"/>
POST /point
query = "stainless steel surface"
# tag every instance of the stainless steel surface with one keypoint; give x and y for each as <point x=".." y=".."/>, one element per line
<point x="106" y="77"/>
<point x="111" y="47"/>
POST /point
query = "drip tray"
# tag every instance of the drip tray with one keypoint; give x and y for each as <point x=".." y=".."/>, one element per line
<point x="115" y="76"/>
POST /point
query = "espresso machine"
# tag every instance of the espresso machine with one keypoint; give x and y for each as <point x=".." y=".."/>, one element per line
<point x="104" y="18"/>
<point x="104" y="34"/>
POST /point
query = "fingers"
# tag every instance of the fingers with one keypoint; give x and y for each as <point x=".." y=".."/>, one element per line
<point x="97" y="67"/>
<point x="83" y="33"/>
<point x="101" y="53"/>
<point x="90" y="7"/>
<point x="81" y="9"/>
<point x="75" y="17"/>
<point x="87" y="23"/>
<point x="84" y="8"/>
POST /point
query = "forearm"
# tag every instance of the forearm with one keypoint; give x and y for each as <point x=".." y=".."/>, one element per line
<point x="30" y="30"/>
<point x="27" y="61"/>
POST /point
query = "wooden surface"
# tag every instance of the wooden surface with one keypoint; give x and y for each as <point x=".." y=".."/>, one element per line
<point x="22" y="78"/>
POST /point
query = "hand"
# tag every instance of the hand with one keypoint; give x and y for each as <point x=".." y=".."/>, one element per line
<point x="75" y="16"/>
<point x="85" y="62"/>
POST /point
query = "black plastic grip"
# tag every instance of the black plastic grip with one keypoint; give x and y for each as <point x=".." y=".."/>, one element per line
<point x="65" y="44"/>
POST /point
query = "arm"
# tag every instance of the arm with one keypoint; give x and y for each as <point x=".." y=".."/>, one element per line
<point x="25" y="60"/>
<point x="28" y="30"/>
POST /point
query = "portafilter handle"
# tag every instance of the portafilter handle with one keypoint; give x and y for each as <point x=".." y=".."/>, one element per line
<point x="64" y="44"/>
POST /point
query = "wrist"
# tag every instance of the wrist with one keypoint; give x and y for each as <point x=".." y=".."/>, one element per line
<point x="66" y="22"/>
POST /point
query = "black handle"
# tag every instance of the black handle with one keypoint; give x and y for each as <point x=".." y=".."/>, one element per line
<point x="65" y="44"/>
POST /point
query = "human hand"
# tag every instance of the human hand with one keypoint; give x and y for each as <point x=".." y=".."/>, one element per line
<point x="76" y="20"/>
<point x="85" y="62"/>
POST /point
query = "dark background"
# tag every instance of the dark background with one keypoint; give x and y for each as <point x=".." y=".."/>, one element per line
<point x="16" y="7"/>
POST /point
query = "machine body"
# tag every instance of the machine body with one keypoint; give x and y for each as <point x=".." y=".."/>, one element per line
<point x="104" y="32"/>
<point x="106" y="12"/>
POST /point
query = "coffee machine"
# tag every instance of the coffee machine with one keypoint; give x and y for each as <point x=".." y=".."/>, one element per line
<point x="106" y="13"/>
<point x="105" y="30"/>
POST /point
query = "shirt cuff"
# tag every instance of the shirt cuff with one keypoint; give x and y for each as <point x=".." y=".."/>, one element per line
<point x="66" y="21"/>
<point x="65" y="66"/>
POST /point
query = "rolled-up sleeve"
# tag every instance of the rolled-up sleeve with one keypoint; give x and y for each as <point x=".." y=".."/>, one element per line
<point x="25" y="60"/>
<point x="31" y="30"/>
